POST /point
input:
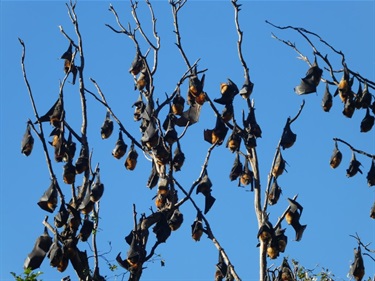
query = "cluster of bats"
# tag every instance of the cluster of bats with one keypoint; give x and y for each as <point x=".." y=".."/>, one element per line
<point x="72" y="221"/>
<point x="352" y="101"/>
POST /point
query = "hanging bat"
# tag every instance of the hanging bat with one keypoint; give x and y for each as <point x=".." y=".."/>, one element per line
<point x="150" y="137"/>
<point x="36" y="256"/>
<point x="367" y="122"/>
<point x="176" y="219"/>
<point x="170" y="135"/>
<point x="143" y="81"/>
<point x="371" y="174"/>
<point x="247" y="88"/>
<point x="69" y="173"/>
<point x="285" y="272"/>
<point x="274" y="194"/>
<point x="234" y="141"/>
<point x="336" y="157"/>
<point x="27" y="143"/>
<point x="273" y="248"/>
<point x="107" y="126"/>
<point x="353" y="167"/>
<point x="74" y="218"/>
<point x="344" y="88"/>
<point x="97" y="190"/>
<point x="365" y="97"/>
<point x="178" y="158"/>
<point x="162" y="154"/>
<point x="281" y="238"/>
<point x="217" y="134"/>
<point x="82" y="163"/>
<point x="204" y="187"/>
<point x="288" y="138"/>
<point x="154" y="176"/>
<point x="310" y="81"/>
<point x="292" y="217"/>
<point x="62" y="216"/>
<point x="139" y="107"/>
<point x="357" y="268"/>
<point x="178" y="104"/>
<point x="120" y="148"/>
<point x="265" y="232"/>
<point x="48" y="201"/>
<point x="195" y="86"/>
<point x="228" y="91"/>
<point x="221" y="269"/>
<point x="349" y="107"/>
<point x="86" y="230"/>
<point x="372" y="211"/>
<point x="279" y="165"/>
<point x="247" y="176"/>
<point x="228" y="112"/>
<point x="327" y="100"/>
<point x="250" y="123"/>
<point x="55" y="253"/>
<point x="162" y="230"/>
<point x="250" y="142"/>
<point x="69" y="149"/>
<point x="236" y="170"/>
<point x="190" y="116"/>
<point x="197" y="228"/>
<point x="54" y="114"/>
<point x="137" y="64"/>
<point x="131" y="159"/>
<point x="86" y="206"/>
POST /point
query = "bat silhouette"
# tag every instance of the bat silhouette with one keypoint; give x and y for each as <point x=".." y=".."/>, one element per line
<point x="35" y="258"/>
<point x="367" y="122"/>
<point x="120" y="148"/>
<point x="327" y="100"/>
<point x="247" y="88"/>
<point x="357" y="268"/>
<point x="310" y="81"/>
<point x="197" y="228"/>
<point x="292" y="217"/>
<point x="204" y="187"/>
<point x="48" y="201"/>
<point x="107" y="126"/>
<point x="353" y="167"/>
<point x="228" y="91"/>
<point x="27" y="142"/>
<point x="288" y="138"/>
<point x="131" y="159"/>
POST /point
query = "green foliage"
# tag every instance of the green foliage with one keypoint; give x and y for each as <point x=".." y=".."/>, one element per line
<point x="316" y="274"/>
<point x="28" y="275"/>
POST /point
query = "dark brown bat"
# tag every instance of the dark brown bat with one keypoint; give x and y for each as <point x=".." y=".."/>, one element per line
<point x="250" y="123"/>
<point x="86" y="230"/>
<point x="292" y="217"/>
<point x="197" y="228"/>
<point x="265" y="232"/>
<point x="349" y="107"/>
<point x="48" y="201"/>
<point x="367" y="122"/>
<point x="97" y="190"/>
<point x="36" y="256"/>
<point x="69" y="149"/>
<point x="150" y="137"/>
<point x="353" y="167"/>
<point x="69" y="173"/>
<point x="178" y="104"/>
<point x="310" y="81"/>
<point x="227" y="113"/>
<point x="221" y="269"/>
<point x="279" y="165"/>
<point x="274" y="194"/>
<point x="204" y="187"/>
<point x="234" y="141"/>
<point x="107" y="126"/>
<point x="281" y="239"/>
<point x="27" y="142"/>
<point x="82" y="163"/>
<point x="366" y="97"/>
<point x="228" y="91"/>
<point x="217" y="134"/>
<point x="190" y="116"/>
<point x="175" y="220"/>
<point x="170" y="135"/>
<point x="120" y="148"/>
<point x="153" y="178"/>
<point x="62" y="216"/>
<point x="195" y="86"/>
<point x="178" y="159"/>
<point x="162" y="230"/>
<point x="327" y="100"/>
<point x="54" y="114"/>
<point x="143" y="80"/>
<point x="236" y="170"/>
<point x="247" y="88"/>
<point x="139" y="107"/>
<point x="273" y="248"/>
<point x="137" y="64"/>
<point x="336" y="157"/>
<point x="55" y="253"/>
<point x="131" y="159"/>
<point x="372" y="211"/>
<point x="285" y="272"/>
<point x="357" y="268"/>
<point x="247" y="176"/>
<point x="74" y="218"/>
<point x="288" y="138"/>
<point x="371" y="174"/>
<point x="87" y="205"/>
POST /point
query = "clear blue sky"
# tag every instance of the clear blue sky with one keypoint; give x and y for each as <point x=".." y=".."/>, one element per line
<point x="334" y="206"/>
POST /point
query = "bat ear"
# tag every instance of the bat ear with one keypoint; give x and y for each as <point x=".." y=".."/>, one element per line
<point x="48" y="201"/>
